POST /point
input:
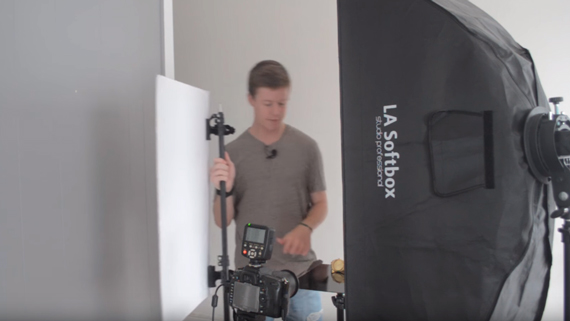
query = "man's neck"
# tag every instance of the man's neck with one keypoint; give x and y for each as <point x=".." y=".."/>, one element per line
<point x="265" y="136"/>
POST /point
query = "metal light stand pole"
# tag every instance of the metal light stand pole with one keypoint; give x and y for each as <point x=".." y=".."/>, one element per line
<point x="561" y="196"/>
<point x="559" y="176"/>
<point x="221" y="130"/>
<point x="339" y="303"/>
<point x="547" y="150"/>
<point x="565" y="231"/>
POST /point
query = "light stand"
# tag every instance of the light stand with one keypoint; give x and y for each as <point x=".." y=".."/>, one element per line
<point x="562" y="195"/>
<point x="547" y="149"/>
<point x="565" y="231"/>
<point x="220" y="129"/>
<point x="339" y="303"/>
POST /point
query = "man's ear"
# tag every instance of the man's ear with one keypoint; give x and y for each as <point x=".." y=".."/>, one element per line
<point x="250" y="99"/>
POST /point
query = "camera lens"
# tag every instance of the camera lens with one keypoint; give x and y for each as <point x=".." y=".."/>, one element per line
<point x="291" y="279"/>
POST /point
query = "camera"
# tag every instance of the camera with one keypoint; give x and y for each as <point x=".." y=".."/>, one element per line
<point x="256" y="290"/>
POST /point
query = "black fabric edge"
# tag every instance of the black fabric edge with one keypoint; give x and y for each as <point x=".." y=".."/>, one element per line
<point x="502" y="286"/>
<point x="548" y="254"/>
<point x="343" y="144"/>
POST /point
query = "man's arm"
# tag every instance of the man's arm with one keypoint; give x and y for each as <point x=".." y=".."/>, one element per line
<point x="298" y="240"/>
<point x="223" y="170"/>
<point x="318" y="211"/>
<point x="218" y="210"/>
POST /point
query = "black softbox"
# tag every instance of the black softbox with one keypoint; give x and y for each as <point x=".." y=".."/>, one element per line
<point x="443" y="219"/>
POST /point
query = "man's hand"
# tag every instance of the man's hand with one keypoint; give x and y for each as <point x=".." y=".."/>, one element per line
<point x="296" y="242"/>
<point x="223" y="170"/>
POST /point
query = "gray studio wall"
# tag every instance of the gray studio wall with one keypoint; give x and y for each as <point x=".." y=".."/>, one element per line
<point x="78" y="237"/>
<point x="216" y="43"/>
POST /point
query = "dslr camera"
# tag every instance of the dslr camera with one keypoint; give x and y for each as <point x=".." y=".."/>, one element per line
<point x="255" y="290"/>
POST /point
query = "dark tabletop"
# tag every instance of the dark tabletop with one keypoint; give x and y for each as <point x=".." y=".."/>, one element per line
<point x="319" y="279"/>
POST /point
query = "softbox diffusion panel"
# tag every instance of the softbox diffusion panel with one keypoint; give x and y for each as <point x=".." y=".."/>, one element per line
<point x="443" y="220"/>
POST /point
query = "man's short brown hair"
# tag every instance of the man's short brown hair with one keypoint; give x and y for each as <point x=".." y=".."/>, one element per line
<point x="268" y="73"/>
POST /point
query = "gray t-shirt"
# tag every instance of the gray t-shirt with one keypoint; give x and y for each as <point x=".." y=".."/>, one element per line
<point x="273" y="187"/>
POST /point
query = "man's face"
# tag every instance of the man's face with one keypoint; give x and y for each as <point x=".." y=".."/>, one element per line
<point x="270" y="106"/>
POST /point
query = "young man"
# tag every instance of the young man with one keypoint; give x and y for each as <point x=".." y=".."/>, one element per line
<point x="274" y="175"/>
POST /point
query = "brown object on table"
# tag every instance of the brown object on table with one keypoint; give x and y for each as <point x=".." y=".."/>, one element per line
<point x="338" y="277"/>
<point x="337" y="266"/>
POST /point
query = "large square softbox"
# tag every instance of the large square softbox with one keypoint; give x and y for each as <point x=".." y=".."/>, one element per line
<point x="443" y="219"/>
